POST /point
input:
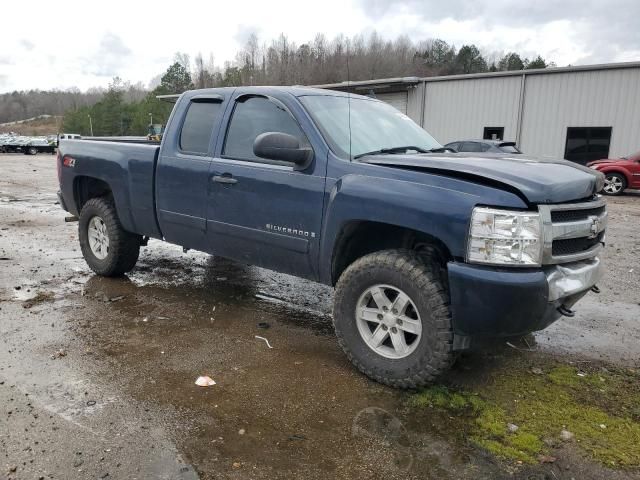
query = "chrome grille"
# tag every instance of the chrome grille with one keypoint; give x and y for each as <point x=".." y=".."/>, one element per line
<point x="574" y="231"/>
<point x="572" y="246"/>
<point x="558" y="216"/>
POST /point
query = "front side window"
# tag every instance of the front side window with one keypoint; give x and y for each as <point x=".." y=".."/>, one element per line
<point x="253" y="116"/>
<point x="359" y="125"/>
<point x="198" y="126"/>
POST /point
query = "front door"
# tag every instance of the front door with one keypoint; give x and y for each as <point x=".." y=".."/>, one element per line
<point x="265" y="212"/>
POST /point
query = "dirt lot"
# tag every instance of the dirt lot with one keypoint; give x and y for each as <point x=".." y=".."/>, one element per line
<point x="97" y="375"/>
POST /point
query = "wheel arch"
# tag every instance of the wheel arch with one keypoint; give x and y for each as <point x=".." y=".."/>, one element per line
<point x="358" y="238"/>
<point x="619" y="171"/>
<point x="86" y="188"/>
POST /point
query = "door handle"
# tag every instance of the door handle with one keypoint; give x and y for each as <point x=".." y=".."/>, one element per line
<point x="226" y="178"/>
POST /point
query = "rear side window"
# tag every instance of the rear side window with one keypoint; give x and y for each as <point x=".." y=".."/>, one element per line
<point x="198" y="126"/>
<point x="252" y="117"/>
<point x="472" y="147"/>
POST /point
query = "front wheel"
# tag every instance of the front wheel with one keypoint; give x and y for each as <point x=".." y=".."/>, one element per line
<point x="392" y="318"/>
<point x="108" y="249"/>
<point x="614" y="184"/>
<point x="32" y="151"/>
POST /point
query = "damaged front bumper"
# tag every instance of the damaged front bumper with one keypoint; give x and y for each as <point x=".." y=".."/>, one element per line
<point x="494" y="302"/>
<point x="565" y="281"/>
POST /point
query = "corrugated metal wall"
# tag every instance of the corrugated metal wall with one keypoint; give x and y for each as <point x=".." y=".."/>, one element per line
<point x="605" y="98"/>
<point x="395" y="99"/>
<point x="415" y="94"/>
<point x="460" y="109"/>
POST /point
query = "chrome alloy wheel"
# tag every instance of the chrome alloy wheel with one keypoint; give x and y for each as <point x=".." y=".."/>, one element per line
<point x="98" y="238"/>
<point x="388" y="321"/>
<point x="613" y="184"/>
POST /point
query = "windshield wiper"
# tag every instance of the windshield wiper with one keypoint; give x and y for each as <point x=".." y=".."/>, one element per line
<point x="383" y="151"/>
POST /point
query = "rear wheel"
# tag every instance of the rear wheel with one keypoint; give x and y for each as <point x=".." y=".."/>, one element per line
<point x="108" y="249"/>
<point x="614" y="184"/>
<point x="392" y="318"/>
<point x="32" y="151"/>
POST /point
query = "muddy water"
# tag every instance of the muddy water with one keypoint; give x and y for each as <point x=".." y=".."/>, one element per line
<point x="111" y="364"/>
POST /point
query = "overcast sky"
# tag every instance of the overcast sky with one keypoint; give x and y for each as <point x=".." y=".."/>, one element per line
<point x="67" y="43"/>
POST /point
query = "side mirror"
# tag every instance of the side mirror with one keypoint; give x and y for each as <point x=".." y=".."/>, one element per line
<point x="283" y="147"/>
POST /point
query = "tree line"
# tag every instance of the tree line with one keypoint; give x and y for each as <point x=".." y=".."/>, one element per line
<point x="125" y="109"/>
<point x="321" y="61"/>
<point x="33" y="103"/>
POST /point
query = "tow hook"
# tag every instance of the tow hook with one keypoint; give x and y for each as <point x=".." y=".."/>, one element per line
<point x="567" y="312"/>
<point x="71" y="218"/>
<point x="595" y="289"/>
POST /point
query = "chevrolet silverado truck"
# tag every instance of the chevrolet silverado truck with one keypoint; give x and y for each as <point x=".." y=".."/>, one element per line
<point x="427" y="250"/>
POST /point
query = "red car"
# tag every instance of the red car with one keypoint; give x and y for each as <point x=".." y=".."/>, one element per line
<point x="619" y="173"/>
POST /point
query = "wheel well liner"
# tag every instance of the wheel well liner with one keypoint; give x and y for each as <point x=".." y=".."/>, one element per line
<point x="86" y="188"/>
<point x="359" y="238"/>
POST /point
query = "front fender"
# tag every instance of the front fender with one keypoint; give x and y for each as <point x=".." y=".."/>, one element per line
<point x="437" y="211"/>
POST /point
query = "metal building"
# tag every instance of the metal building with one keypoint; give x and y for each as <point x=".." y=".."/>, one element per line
<point x="580" y="113"/>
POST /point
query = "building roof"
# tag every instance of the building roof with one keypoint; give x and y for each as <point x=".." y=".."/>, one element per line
<point x="408" y="81"/>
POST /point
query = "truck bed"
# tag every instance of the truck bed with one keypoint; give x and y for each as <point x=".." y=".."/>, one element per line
<point x="128" y="167"/>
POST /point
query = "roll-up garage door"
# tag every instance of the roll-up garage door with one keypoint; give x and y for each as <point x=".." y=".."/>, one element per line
<point x="396" y="99"/>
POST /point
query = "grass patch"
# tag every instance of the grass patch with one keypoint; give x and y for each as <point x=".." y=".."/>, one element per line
<point x="599" y="407"/>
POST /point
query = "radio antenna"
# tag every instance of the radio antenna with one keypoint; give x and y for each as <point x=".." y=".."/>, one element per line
<point x="349" y="96"/>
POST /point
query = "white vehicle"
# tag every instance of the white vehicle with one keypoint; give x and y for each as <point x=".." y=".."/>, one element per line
<point x="69" y="136"/>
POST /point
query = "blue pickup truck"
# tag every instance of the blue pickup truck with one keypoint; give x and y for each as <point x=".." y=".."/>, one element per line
<point x="427" y="250"/>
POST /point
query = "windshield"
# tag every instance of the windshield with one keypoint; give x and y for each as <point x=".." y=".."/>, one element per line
<point x="374" y="125"/>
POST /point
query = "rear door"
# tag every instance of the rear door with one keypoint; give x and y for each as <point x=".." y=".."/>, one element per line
<point x="265" y="212"/>
<point x="182" y="184"/>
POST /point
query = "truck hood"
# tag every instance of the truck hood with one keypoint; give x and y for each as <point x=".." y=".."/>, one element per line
<point x="537" y="180"/>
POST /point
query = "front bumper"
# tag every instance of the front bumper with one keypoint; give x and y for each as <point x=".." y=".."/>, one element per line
<point x="496" y="302"/>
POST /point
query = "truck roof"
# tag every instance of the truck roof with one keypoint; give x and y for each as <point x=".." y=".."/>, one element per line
<point x="297" y="91"/>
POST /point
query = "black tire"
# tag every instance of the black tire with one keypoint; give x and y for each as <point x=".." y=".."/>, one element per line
<point x="619" y="179"/>
<point x="423" y="279"/>
<point x="124" y="247"/>
<point x="32" y="151"/>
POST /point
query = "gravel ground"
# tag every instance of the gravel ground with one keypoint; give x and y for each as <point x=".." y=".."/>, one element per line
<point x="97" y="375"/>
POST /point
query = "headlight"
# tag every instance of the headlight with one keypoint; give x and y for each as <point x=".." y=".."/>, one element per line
<point x="503" y="237"/>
